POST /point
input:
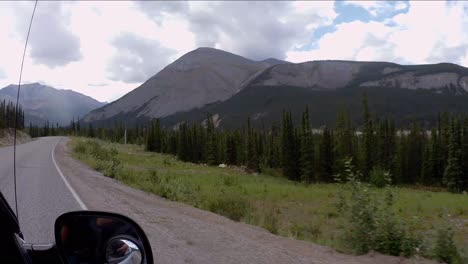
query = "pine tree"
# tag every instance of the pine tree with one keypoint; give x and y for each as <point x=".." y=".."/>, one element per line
<point x="465" y="153"/>
<point x="416" y="141"/>
<point x="251" y="150"/>
<point x="307" y="150"/>
<point x="453" y="174"/>
<point x="367" y="140"/>
<point x="326" y="156"/>
<point x="289" y="157"/>
<point x="183" y="143"/>
<point x="211" y="147"/>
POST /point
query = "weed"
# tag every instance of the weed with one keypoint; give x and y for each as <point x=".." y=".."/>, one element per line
<point x="230" y="181"/>
<point x="234" y="208"/>
<point x="379" y="177"/>
<point x="445" y="249"/>
<point x="305" y="231"/>
<point x="271" y="220"/>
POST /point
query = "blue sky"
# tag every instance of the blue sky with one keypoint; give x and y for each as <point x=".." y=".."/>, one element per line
<point x="350" y="12"/>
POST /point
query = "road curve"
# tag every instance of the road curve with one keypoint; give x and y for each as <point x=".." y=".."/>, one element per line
<point x="42" y="192"/>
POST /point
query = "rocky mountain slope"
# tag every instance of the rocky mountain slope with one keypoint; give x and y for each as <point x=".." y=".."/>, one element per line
<point x="198" y="78"/>
<point x="43" y="103"/>
<point x="222" y="83"/>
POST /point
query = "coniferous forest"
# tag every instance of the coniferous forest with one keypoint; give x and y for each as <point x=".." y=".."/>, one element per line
<point x="8" y="115"/>
<point x="429" y="156"/>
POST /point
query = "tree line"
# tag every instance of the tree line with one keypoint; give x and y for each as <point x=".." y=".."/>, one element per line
<point x="430" y="156"/>
<point x="8" y="115"/>
<point x="412" y="155"/>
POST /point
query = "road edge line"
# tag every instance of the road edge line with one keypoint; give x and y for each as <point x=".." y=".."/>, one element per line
<point x="75" y="195"/>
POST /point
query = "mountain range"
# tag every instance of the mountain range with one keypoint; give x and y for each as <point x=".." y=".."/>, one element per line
<point x="43" y="103"/>
<point x="232" y="88"/>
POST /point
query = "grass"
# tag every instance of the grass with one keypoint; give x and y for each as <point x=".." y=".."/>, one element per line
<point x="286" y="208"/>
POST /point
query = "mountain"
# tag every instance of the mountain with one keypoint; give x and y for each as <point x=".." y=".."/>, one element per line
<point x="42" y="103"/>
<point x="405" y="93"/>
<point x="200" y="77"/>
<point x="233" y="88"/>
<point x="326" y="75"/>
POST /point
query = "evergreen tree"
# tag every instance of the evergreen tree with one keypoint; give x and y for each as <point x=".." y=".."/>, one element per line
<point x="453" y="174"/>
<point x="251" y="150"/>
<point x="307" y="150"/>
<point x="289" y="157"/>
<point x="367" y="140"/>
<point x="211" y="147"/>
<point x="326" y="156"/>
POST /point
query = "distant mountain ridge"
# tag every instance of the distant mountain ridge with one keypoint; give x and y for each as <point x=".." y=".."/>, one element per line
<point x="43" y="103"/>
<point x="210" y="80"/>
<point x="200" y="77"/>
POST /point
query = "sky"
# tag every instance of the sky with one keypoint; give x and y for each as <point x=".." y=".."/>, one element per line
<point x="105" y="49"/>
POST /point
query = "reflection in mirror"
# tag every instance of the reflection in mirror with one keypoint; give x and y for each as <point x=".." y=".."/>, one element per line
<point x="123" y="251"/>
<point x="100" y="239"/>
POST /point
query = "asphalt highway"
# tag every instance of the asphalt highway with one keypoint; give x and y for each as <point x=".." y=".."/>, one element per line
<point x="43" y="193"/>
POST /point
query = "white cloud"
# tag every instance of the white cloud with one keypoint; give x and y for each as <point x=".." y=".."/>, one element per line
<point x="257" y="30"/>
<point x="430" y="32"/>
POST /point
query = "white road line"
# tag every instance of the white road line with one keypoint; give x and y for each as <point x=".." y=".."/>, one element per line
<point x="75" y="195"/>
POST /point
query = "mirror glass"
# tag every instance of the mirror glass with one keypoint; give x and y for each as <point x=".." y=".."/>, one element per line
<point x="123" y="250"/>
<point x="99" y="239"/>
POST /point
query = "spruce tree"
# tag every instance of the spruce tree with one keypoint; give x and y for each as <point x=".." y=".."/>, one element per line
<point x="326" y="156"/>
<point x="307" y="150"/>
<point x="367" y="140"/>
<point x="211" y="147"/>
<point x="453" y="174"/>
<point x="289" y="157"/>
<point x="251" y="150"/>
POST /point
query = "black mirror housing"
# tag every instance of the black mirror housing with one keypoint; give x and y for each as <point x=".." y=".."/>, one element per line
<point x="85" y="237"/>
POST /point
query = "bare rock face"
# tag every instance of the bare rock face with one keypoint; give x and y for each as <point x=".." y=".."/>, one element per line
<point x="200" y="77"/>
<point x="430" y="81"/>
<point x="314" y="74"/>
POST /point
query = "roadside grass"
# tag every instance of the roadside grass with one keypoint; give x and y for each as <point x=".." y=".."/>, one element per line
<point x="286" y="208"/>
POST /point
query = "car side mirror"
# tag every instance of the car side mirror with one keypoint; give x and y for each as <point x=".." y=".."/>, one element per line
<point x="101" y="237"/>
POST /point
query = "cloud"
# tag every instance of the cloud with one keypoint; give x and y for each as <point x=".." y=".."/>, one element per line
<point x="2" y="74"/>
<point x="256" y="30"/>
<point x="377" y="8"/>
<point x="158" y="9"/>
<point x="98" y="84"/>
<point x="51" y="43"/>
<point x="137" y="58"/>
<point x="430" y="32"/>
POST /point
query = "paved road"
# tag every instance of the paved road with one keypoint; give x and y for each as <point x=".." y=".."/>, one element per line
<point x="42" y="193"/>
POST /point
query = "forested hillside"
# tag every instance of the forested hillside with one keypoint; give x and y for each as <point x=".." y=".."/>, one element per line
<point x="414" y="154"/>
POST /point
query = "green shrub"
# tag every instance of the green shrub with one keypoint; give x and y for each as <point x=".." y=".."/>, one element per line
<point x="172" y="188"/>
<point x="80" y="147"/>
<point x="305" y="231"/>
<point x="379" y="177"/>
<point x="115" y="165"/>
<point x="270" y="220"/>
<point x="372" y="222"/>
<point x="234" y="208"/>
<point x="445" y="249"/>
<point x="230" y="181"/>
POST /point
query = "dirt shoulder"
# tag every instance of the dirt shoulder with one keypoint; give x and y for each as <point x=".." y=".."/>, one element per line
<point x="183" y="234"/>
<point x="7" y="137"/>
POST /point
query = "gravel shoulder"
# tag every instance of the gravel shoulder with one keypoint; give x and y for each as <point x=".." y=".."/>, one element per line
<point x="183" y="234"/>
